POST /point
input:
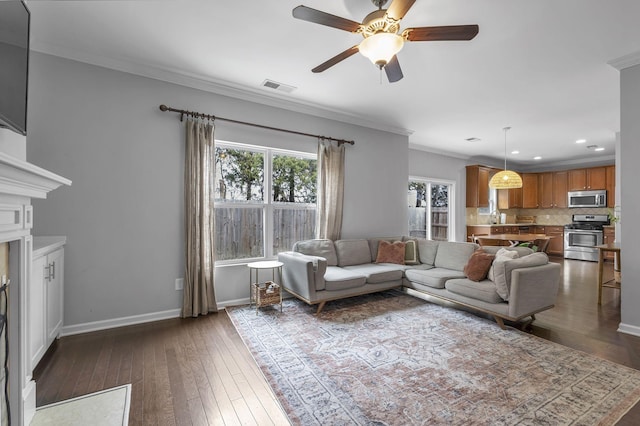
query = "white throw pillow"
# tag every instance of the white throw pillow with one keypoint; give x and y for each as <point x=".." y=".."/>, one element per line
<point x="501" y="256"/>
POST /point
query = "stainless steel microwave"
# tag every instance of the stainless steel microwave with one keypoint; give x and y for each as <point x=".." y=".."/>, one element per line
<point x="588" y="198"/>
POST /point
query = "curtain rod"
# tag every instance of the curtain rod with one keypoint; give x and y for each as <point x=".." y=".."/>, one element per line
<point x="183" y="112"/>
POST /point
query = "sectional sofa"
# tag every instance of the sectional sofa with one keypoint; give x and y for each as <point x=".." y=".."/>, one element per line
<point x="319" y="271"/>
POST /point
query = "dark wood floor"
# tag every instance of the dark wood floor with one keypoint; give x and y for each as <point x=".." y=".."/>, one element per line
<point x="165" y="361"/>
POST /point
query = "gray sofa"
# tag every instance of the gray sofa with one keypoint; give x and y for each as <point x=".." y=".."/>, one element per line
<point x="318" y="271"/>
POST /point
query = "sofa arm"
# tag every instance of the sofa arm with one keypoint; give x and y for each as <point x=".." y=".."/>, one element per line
<point x="533" y="289"/>
<point x="303" y="274"/>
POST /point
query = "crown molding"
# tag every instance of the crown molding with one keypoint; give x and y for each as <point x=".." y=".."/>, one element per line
<point x="220" y="87"/>
<point x="625" y="61"/>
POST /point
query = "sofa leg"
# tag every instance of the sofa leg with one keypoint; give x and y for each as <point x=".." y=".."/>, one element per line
<point x="500" y="322"/>
<point x="320" y="306"/>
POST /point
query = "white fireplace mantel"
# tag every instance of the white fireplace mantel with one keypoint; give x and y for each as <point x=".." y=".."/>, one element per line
<point x="21" y="181"/>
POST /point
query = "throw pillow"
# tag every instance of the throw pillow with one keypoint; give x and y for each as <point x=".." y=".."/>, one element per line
<point x="502" y="255"/>
<point x="478" y="265"/>
<point x="411" y="253"/>
<point x="391" y="252"/>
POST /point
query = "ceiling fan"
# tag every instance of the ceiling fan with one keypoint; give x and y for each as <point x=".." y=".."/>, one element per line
<point x="380" y="31"/>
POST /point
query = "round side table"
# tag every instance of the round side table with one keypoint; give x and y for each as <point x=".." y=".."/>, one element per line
<point x="260" y="295"/>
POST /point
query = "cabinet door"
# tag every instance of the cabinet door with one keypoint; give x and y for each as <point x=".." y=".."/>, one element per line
<point x="611" y="187"/>
<point x="560" y="185"/>
<point x="529" y="190"/>
<point x="545" y="190"/>
<point x="54" y="294"/>
<point x="36" y="311"/>
<point x="477" y="186"/>
<point x="577" y="180"/>
<point x="597" y="178"/>
<point x="556" y="244"/>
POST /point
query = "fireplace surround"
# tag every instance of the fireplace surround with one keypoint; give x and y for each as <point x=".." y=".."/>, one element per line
<point x="20" y="182"/>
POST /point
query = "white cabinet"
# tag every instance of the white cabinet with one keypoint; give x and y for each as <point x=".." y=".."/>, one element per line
<point x="46" y="296"/>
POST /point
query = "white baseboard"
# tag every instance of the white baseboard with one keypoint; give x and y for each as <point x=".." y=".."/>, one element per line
<point x="629" y="329"/>
<point x="119" y="322"/>
<point x="88" y="327"/>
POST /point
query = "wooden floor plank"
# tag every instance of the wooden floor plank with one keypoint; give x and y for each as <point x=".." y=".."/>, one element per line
<point x="206" y="359"/>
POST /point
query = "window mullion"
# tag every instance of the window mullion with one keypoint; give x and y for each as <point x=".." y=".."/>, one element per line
<point x="268" y="204"/>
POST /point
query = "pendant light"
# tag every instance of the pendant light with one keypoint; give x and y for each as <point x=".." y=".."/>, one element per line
<point x="505" y="179"/>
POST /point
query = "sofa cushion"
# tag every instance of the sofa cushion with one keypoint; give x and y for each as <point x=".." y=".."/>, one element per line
<point x="378" y="273"/>
<point x="481" y="290"/>
<point x="340" y="279"/>
<point x="522" y="251"/>
<point x="375" y="242"/>
<point x="427" y="250"/>
<point x="320" y="248"/>
<point x="454" y="255"/>
<point x="478" y="265"/>
<point x="434" y="277"/>
<point x="502" y="270"/>
<point x="411" y="252"/>
<point x="502" y="256"/>
<point x="352" y="252"/>
<point x="391" y="252"/>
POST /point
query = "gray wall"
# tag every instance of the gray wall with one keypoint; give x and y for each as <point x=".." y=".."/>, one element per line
<point x="123" y="214"/>
<point x="630" y="201"/>
<point x="437" y="166"/>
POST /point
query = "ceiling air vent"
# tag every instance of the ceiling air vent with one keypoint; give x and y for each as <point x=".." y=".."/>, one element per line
<point x="472" y="139"/>
<point x="278" y="86"/>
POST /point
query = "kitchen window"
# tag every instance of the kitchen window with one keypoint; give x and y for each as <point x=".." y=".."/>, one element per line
<point x="265" y="200"/>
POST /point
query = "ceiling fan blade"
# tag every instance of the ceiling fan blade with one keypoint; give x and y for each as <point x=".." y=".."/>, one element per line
<point x="393" y="70"/>
<point x="398" y="8"/>
<point x="339" y="57"/>
<point x="451" y="32"/>
<point x="316" y="16"/>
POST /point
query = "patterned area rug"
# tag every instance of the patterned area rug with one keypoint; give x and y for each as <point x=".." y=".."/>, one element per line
<point x="392" y="359"/>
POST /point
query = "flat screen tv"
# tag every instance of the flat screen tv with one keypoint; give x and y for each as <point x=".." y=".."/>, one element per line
<point x="14" y="65"/>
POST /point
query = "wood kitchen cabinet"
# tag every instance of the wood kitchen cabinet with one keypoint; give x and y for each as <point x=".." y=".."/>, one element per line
<point x="556" y="244"/>
<point x="552" y="189"/>
<point x="478" y="186"/>
<point x="529" y="190"/>
<point x="509" y="198"/>
<point x="588" y="179"/>
<point x="611" y="188"/>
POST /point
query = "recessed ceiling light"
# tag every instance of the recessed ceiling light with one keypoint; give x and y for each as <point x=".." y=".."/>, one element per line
<point x="472" y="139"/>
<point x="581" y="141"/>
<point x="537" y="158"/>
<point x="599" y="149"/>
<point x="515" y="152"/>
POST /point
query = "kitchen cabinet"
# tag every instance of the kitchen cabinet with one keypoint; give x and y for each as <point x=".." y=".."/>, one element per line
<point x="509" y="198"/>
<point x="556" y="244"/>
<point x="529" y="190"/>
<point x="587" y="179"/>
<point x="552" y="187"/>
<point x="610" y="172"/>
<point x="46" y="296"/>
<point x="478" y="186"/>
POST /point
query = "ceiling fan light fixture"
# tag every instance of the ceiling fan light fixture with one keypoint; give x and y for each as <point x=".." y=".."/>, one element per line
<point x="506" y="179"/>
<point x="381" y="47"/>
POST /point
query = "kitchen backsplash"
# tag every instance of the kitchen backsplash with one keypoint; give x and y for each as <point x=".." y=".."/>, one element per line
<point x="543" y="216"/>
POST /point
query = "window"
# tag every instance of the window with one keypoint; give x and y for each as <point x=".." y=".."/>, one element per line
<point x="430" y="205"/>
<point x="265" y="200"/>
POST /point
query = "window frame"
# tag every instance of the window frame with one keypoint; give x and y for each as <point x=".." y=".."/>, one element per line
<point x="267" y="204"/>
<point x="451" y="225"/>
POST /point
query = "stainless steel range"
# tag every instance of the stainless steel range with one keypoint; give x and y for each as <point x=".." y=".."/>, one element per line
<point x="585" y="232"/>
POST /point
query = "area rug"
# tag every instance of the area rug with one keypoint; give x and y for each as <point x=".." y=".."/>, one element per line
<point x="109" y="407"/>
<point x="393" y="359"/>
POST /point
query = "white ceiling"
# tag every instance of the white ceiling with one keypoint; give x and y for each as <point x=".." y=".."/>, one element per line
<point x="539" y="66"/>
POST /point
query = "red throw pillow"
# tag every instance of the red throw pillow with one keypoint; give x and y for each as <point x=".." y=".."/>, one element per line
<point x="478" y="265"/>
<point x="390" y="252"/>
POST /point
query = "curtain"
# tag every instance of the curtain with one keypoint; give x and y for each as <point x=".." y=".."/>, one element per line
<point x="198" y="295"/>
<point x="330" y="189"/>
